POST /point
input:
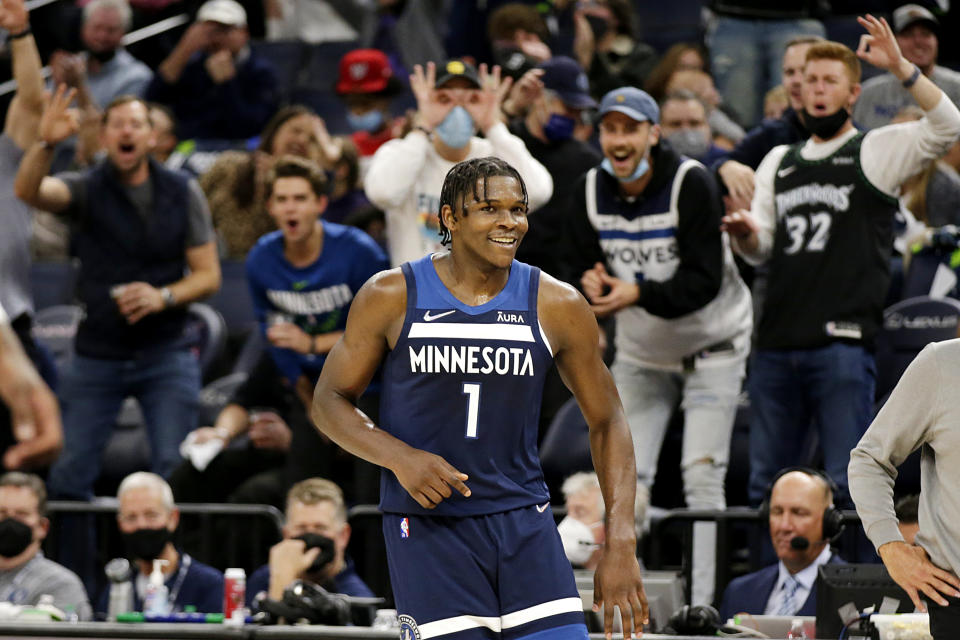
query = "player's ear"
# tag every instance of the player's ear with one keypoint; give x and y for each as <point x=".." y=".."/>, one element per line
<point x="449" y="216"/>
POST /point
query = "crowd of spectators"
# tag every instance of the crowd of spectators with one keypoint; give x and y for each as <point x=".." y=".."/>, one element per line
<point x="661" y="206"/>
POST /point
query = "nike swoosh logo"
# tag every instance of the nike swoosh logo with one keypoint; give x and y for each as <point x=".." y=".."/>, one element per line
<point x="783" y="173"/>
<point x="543" y="508"/>
<point x="429" y="318"/>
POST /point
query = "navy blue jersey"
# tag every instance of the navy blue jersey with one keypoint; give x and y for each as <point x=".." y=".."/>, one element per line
<point x="466" y="383"/>
<point x="317" y="297"/>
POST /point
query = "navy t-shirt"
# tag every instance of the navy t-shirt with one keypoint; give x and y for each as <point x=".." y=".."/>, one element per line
<point x="317" y="297"/>
<point x="346" y="582"/>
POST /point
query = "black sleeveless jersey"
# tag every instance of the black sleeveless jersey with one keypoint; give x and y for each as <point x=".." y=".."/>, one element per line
<point x="829" y="270"/>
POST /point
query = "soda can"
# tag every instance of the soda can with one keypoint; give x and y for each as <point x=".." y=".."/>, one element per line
<point x="234" y="591"/>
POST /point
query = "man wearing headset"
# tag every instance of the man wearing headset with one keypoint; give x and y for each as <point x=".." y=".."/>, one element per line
<point x="803" y="521"/>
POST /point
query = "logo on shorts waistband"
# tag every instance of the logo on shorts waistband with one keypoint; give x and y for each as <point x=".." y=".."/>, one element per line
<point x="408" y="628"/>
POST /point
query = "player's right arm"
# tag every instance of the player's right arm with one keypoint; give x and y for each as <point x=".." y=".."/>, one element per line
<point x="572" y="331"/>
<point x="373" y="327"/>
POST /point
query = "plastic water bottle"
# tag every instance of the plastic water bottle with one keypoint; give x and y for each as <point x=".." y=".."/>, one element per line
<point x="796" y="630"/>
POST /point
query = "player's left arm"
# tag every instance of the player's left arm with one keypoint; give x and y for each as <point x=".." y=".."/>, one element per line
<point x="572" y="331"/>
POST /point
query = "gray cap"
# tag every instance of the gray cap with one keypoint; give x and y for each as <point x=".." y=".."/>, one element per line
<point x="631" y="102"/>
<point x="910" y="14"/>
<point x="227" y="12"/>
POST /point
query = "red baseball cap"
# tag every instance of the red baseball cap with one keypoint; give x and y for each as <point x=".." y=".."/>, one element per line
<point x="364" y="71"/>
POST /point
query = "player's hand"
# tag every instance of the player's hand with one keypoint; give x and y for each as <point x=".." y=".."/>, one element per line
<point x="13" y="16"/>
<point x="269" y="431"/>
<point x="220" y="67"/>
<point x="422" y="83"/>
<point x="738" y="178"/>
<point x="138" y="300"/>
<point x="485" y="108"/>
<point x="879" y="47"/>
<point x="617" y="582"/>
<point x="910" y="567"/>
<point x="35" y="416"/>
<point x="289" y="336"/>
<point x="58" y="121"/>
<point x="428" y="478"/>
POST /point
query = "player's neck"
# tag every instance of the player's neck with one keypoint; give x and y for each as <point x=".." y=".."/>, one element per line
<point x="470" y="282"/>
<point x="306" y="251"/>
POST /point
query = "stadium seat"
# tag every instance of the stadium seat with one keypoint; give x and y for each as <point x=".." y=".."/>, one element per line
<point x="55" y="327"/>
<point x="208" y="332"/>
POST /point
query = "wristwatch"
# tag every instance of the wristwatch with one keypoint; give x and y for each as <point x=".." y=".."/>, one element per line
<point x="168" y="299"/>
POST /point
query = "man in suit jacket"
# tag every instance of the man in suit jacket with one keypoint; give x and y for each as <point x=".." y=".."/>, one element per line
<point x="798" y="503"/>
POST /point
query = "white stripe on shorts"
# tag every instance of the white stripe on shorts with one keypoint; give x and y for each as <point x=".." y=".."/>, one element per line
<point x="515" y="619"/>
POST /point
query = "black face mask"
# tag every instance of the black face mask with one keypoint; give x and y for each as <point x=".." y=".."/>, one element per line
<point x="15" y="536"/>
<point x="147" y="544"/>
<point x="825" y="127"/>
<point x="325" y="545"/>
<point x="103" y="57"/>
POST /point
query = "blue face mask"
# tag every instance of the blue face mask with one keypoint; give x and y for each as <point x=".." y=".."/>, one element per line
<point x="559" y="128"/>
<point x="641" y="169"/>
<point x="456" y="129"/>
<point x="369" y="121"/>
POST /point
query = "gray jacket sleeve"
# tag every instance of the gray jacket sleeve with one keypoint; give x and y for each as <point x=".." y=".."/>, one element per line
<point x="902" y="426"/>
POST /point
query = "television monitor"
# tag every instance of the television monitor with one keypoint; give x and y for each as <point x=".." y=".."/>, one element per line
<point x="864" y="585"/>
<point x="664" y="591"/>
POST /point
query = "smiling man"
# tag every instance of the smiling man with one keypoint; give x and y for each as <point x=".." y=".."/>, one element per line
<point x="466" y="338"/>
<point x="822" y="216"/>
<point x="139" y="228"/>
<point x="883" y="97"/>
<point x="650" y="250"/>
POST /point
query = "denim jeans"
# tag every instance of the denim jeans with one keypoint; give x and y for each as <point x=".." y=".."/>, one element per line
<point x="746" y="59"/>
<point x="831" y="387"/>
<point x="166" y="383"/>
<point x="708" y="397"/>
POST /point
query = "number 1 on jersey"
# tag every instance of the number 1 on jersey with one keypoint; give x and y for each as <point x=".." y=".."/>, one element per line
<point x="472" y="391"/>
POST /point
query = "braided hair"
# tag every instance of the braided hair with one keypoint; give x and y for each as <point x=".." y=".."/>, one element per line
<point x="464" y="177"/>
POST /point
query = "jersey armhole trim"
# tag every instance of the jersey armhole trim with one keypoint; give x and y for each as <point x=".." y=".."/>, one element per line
<point x="543" y="336"/>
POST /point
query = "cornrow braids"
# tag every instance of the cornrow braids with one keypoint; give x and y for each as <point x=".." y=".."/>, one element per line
<point x="464" y="178"/>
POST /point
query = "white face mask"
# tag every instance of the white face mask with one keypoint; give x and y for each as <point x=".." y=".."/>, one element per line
<point x="577" y="540"/>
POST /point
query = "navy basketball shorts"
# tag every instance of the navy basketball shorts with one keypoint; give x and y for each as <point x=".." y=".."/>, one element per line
<point x="502" y="575"/>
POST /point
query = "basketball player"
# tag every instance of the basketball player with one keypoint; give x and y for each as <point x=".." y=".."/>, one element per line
<point x="466" y="338"/>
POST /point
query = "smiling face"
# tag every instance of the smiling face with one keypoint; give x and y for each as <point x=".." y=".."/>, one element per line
<point x="492" y="227"/>
<point x="827" y="87"/>
<point x="295" y="208"/>
<point x="625" y="142"/>
<point x="919" y="45"/>
<point x="127" y="135"/>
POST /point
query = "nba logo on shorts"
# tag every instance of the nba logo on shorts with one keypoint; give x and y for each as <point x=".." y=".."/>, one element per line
<point x="405" y="528"/>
